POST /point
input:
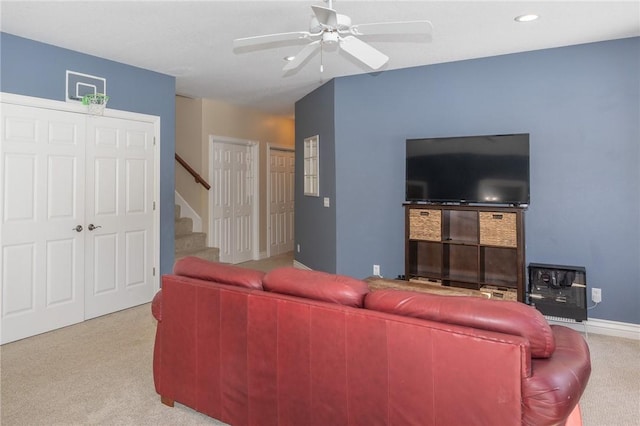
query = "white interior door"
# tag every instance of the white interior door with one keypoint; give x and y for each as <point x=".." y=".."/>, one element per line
<point x="281" y="200"/>
<point x="233" y="199"/>
<point x="42" y="266"/>
<point x="119" y="215"/>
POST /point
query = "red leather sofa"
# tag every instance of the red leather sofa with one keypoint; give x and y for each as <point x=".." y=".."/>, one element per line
<point x="296" y="347"/>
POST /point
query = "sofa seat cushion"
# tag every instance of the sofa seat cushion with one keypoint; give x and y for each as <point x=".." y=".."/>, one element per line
<point x="195" y="267"/>
<point x="493" y="315"/>
<point x="317" y="285"/>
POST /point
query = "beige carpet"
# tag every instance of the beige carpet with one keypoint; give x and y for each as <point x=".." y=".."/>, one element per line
<point x="100" y="372"/>
<point x="96" y="372"/>
<point x="285" y="259"/>
<point x="612" y="397"/>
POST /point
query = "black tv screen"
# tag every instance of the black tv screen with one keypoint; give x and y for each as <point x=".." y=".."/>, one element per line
<point x="469" y="169"/>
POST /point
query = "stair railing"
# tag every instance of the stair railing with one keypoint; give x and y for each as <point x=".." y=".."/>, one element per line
<point x="192" y="172"/>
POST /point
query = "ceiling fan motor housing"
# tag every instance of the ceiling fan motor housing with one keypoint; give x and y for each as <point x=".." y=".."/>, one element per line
<point x="330" y="37"/>
<point x="343" y="24"/>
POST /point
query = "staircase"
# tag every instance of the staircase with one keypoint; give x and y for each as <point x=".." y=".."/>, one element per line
<point x="189" y="243"/>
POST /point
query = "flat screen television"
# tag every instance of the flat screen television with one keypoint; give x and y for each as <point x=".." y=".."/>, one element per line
<point x="491" y="169"/>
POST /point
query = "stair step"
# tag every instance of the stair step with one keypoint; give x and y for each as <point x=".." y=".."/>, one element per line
<point x="211" y="254"/>
<point x="192" y="241"/>
<point x="189" y="243"/>
<point x="183" y="226"/>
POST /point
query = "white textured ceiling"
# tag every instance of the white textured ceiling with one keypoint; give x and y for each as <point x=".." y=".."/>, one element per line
<point x="192" y="40"/>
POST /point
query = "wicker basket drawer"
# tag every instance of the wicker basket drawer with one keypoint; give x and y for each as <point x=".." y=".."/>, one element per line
<point x="498" y="229"/>
<point x="425" y="224"/>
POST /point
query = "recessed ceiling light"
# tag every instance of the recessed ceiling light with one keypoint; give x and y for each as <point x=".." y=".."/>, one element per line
<point x="526" y="18"/>
<point x="289" y="58"/>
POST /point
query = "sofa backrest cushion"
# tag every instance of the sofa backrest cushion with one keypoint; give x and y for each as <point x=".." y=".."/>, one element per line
<point x="195" y="267"/>
<point x="494" y="315"/>
<point x="317" y="285"/>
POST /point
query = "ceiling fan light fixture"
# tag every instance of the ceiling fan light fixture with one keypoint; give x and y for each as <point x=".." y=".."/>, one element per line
<point x="331" y="31"/>
<point x="526" y="18"/>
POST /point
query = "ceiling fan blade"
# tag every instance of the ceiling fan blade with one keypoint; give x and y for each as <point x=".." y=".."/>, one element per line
<point x="302" y="56"/>
<point x="326" y="16"/>
<point x="405" y="27"/>
<point x="270" y="38"/>
<point x="363" y="52"/>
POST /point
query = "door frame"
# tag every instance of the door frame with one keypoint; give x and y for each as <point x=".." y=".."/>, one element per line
<point x="12" y="98"/>
<point x="271" y="147"/>
<point x="254" y="147"/>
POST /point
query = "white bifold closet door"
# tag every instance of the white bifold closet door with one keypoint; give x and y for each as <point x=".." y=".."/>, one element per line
<point x="76" y="218"/>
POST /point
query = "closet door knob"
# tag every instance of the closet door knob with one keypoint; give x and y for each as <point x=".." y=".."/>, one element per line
<point x="77" y="228"/>
<point x="92" y="227"/>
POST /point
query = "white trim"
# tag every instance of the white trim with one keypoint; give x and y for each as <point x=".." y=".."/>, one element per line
<point x="311" y="166"/>
<point x="270" y="147"/>
<point x="15" y="99"/>
<point x="187" y="211"/>
<point x="299" y="265"/>
<point x="606" y="327"/>
<point x="12" y="98"/>
<point x="156" y="197"/>
<point x="255" y="164"/>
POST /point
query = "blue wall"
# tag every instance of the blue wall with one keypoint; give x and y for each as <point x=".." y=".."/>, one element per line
<point x="581" y="105"/>
<point x="36" y="69"/>
<point x="317" y="242"/>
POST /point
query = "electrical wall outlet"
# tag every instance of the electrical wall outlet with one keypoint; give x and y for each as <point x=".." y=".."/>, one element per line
<point x="376" y="270"/>
<point x="596" y="295"/>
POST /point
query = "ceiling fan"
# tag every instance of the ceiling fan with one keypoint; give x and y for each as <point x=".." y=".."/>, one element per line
<point x="328" y="27"/>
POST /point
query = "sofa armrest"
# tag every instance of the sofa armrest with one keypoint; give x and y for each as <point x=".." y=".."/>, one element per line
<point x="156" y="306"/>
<point x="556" y="384"/>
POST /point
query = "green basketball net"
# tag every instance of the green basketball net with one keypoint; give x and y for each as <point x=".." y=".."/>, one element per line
<point x="95" y="102"/>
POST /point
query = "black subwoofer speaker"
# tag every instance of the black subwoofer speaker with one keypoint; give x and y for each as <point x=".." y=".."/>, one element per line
<point x="558" y="290"/>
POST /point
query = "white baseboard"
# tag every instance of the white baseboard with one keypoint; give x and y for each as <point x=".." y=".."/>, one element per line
<point x="187" y="211"/>
<point x="299" y="265"/>
<point x="605" y="327"/>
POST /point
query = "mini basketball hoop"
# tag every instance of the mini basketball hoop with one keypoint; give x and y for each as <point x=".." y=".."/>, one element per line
<point x="95" y="102"/>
